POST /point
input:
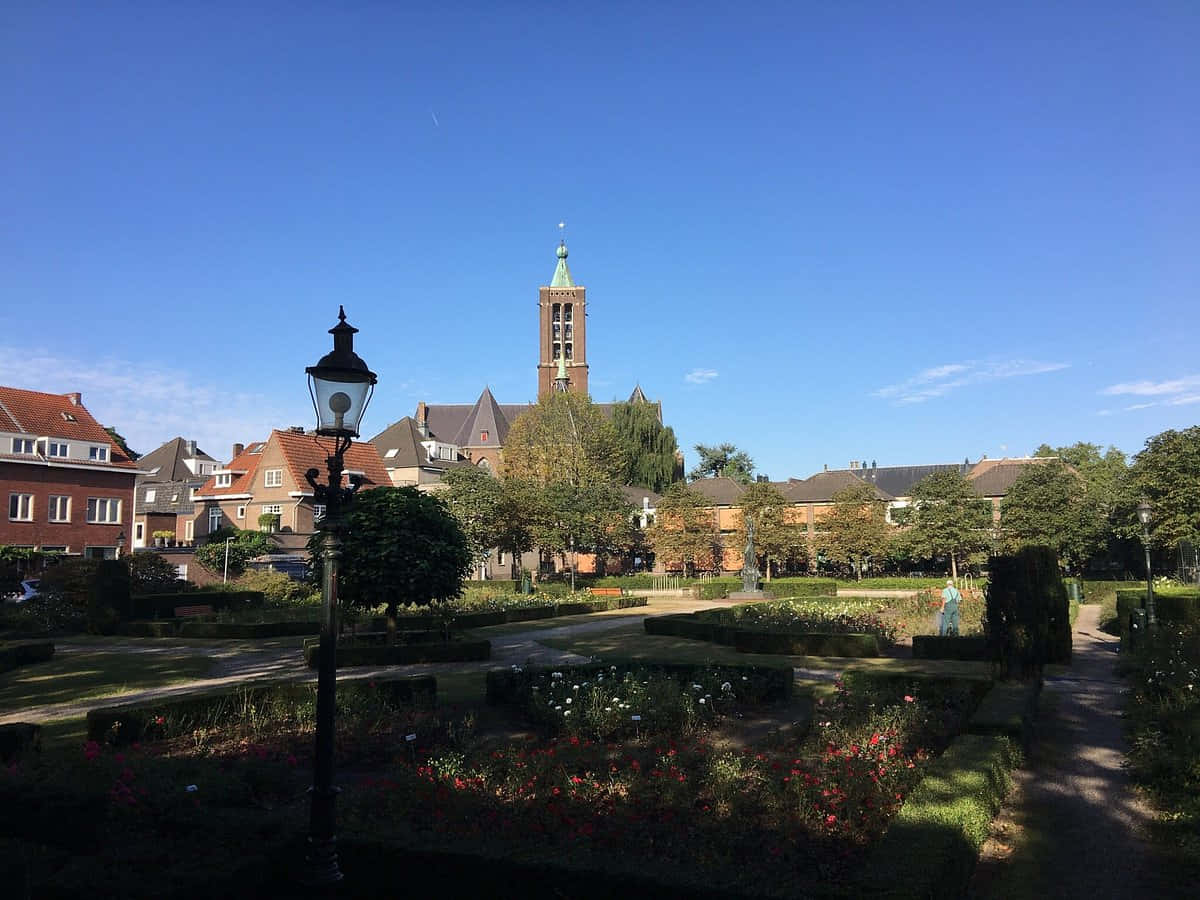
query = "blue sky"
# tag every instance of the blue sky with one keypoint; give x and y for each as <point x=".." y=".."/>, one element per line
<point x="909" y="232"/>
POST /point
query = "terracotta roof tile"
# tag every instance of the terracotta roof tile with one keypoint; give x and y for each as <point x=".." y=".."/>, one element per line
<point x="245" y="462"/>
<point x="309" y="451"/>
<point x="56" y="415"/>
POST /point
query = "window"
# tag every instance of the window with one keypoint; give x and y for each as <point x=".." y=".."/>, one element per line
<point x="139" y="534"/>
<point x="56" y="449"/>
<point x="445" y="452"/>
<point x="568" y="351"/>
<point x="189" y="530"/>
<point x="22" y="445"/>
<point x="214" y="518"/>
<point x="57" y="548"/>
<point x="151" y="493"/>
<point x="241" y="512"/>
<point x="499" y="557"/>
<point x="69" y="417"/>
<point x="567" y="313"/>
<point x="483" y="435"/>
<point x="273" y="478"/>
<point x="274" y="509"/>
<point x="104" y="510"/>
<point x="98" y="453"/>
<point x="20" y="507"/>
<point x="60" y="508"/>
<point x="224" y="479"/>
<point x="318" y="512"/>
<point x="391" y="453"/>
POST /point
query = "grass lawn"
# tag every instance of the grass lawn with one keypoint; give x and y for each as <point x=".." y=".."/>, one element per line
<point x="88" y="675"/>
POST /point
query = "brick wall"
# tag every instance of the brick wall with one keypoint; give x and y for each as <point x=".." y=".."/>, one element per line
<point x="79" y="485"/>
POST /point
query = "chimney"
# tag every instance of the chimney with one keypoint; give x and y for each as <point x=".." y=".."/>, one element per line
<point x="189" y="448"/>
<point x="75" y="398"/>
<point x="853" y="465"/>
<point x="422" y="418"/>
<point x="237" y="450"/>
<point x="296" y="429"/>
<point x="826" y="467"/>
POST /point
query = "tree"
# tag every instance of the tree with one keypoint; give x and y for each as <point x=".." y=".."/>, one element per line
<point x="244" y="546"/>
<point x="723" y="460"/>
<point x="948" y="519"/>
<point x="649" y="445"/>
<point x="855" y="529"/>
<point x="1167" y="474"/>
<point x="564" y="437"/>
<point x="589" y="518"/>
<point x="151" y="573"/>
<point x="473" y="498"/>
<point x="684" y="532"/>
<point x="1049" y="505"/>
<point x="776" y="537"/>
<point x="120" y="442"/>
<point x="399" y="546"/>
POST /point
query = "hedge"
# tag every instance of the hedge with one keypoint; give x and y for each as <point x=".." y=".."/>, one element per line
<point x="162" y="606"/>
<point x="1181" y="607"/>
<point x="1008" y="710"/>
<point x="932" y="845"/>
<point x="499" y="585"/>
<point x="715" y="588"/>
<point x="510" y="685"/>
<point x="801" y="587"/>
<point x="18" y="737"/>
<point x="138" y="721"/>
<point x="812" y="643"/>
<point x="22" y="653"/>
<point x="933" y="646"/>
<point x="382" y="654"/>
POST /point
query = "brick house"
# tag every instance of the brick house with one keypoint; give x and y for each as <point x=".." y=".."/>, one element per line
<point x="267" y="478"/>
<point x="164" y="495"/>
<point x="67" y="485"/>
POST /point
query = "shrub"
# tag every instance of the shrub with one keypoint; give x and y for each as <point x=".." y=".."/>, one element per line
<point x="1178" y="607"/>
<point x="278" y="590"/>
<point x="162" y="606"/>
<point x="244" y="546"/>
<point x="802" y="587"/>
<point x="808" y="644"/>
<point x="715" y="588"/>
<point x="150" y="573"/>
<point x="108" y="597"/>
<point x="932" y="646"/>
<point x="1028" y="619"/>
<point x="385" y="654"/>
<point x="22" y="653"/>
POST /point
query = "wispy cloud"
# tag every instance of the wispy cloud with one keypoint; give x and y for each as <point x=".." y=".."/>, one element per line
<point x="150" y="404"/>
<point x="700" y="376"/>
<point x="941" y="380"/>
<point x="1172" y="392"/>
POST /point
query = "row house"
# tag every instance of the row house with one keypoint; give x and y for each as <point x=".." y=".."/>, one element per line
<point x="264" y="485"/>
<point x="165" y="501"/>
<point x="67" y="485"/>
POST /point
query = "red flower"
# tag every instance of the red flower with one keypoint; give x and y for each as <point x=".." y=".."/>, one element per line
<point x="874" y="740"/>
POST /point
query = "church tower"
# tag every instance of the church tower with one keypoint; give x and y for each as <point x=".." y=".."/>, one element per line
<point x="562" y="332"/>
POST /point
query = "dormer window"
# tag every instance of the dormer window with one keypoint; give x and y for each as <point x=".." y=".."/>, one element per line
<point x="22" y="445"/>
<point x="99" y="454"/>
<point x="224" y="479"/>
<point x="57" y="449"/>
<point x="483" y="436"/>
<point x="391" y="453"/>
<point x="151" y="493"/>
<point x="69" y="417"/>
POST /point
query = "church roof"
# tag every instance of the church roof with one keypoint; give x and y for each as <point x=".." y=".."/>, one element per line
<point x="485" y="425"/>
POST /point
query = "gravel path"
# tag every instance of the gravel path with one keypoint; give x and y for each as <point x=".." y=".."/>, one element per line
<point x="1074" y="826"/>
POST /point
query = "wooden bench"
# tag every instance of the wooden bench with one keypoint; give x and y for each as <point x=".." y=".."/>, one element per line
<point x="184" y="611"/>
<point x="605" y="592"/>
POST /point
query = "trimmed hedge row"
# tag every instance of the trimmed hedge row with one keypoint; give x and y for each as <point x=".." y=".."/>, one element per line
<point x="934" y="646"/>
<point x="500" y="585"/>
<point x="190" y="628"/>
<point x="1008" y="710"/>
<point x="510" y="685"/>
<point x="22" y="653"/>
<point x="756" y="640"/>
<point x="162" y="606"/>
<point x="504" y="616"/>
<point x="18" y="737"/>
<point x="932" y="845"/>
<point x="381" y="654"/>
<point x="719" y="588"/>
<point x="1183" y="607"/>
<point x="139" y="721"/>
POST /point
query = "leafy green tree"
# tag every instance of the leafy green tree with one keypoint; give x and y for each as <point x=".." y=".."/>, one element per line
<point x="723" y="460"/>
<point x="399" y="546"/>
<point x="150" y="573"/>
<point x="1049" y="505"/>
<point x="650" y="446"/>
<point x="589" y="518"/>
<point x="564" y="437"/>
<point x="684" y="532"/>
<point x="948" y="519"/>
<point x="474" y="498"/>
<point x="1167" y="474"/>
<point x="120" y="442"/>
<point x="776" y="537"/>
<point x="855" y="529"/>
<point x="244" y="546"/>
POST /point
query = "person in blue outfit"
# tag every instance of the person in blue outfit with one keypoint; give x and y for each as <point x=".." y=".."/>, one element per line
<point x="950" y="600"/>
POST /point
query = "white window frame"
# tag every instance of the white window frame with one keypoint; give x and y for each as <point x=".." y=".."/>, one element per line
<point x="104" y="511"/>
<point x="224" y="479"/>
<point x="214" y="518"/>
<point x="22" y="505"/>
<point x="55" y="506"/>
<point x="275" y="509"/>
<point x="23" y="446"/>
<point x="273" y="478"/>
<point x="319" y="510"/>
<point x="58" y="449"/>
<point x="151" y="493"/>
<point x="241" y="512"/>
<point x="98" y="452"/>
<point x="189" y="530"/>
<point x="139" y="534"/>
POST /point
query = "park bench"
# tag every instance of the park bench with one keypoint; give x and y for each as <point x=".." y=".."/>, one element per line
<point x="184" y="611"/>
<point x="605" y="592"/>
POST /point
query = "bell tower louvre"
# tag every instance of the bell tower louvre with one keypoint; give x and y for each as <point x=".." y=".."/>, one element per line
<point x="562" y="331"/>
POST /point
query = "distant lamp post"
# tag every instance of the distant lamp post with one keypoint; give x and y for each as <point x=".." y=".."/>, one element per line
<point x="1144" y="516"/>
<point x="120" y="542"/>
<point x="341" y="386"/>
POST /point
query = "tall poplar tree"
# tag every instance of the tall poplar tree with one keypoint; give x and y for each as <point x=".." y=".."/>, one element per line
<point x="649" y="445"/>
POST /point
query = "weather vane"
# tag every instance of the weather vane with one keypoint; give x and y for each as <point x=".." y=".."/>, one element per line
<point x="562" y="232"/>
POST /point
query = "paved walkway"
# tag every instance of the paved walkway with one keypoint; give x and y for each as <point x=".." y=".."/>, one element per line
<point x="1074" y="826"/>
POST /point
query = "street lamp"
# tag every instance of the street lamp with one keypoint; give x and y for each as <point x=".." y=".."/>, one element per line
<point x="120" y="542"/>
<point x="340" y="386"/>
<point x="1144" y="516"/>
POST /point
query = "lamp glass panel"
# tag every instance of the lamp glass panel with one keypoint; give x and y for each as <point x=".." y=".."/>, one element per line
<point x="340" y="402"/>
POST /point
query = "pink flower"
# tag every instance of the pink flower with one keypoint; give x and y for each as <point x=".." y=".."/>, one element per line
<point x="908" y="698"/>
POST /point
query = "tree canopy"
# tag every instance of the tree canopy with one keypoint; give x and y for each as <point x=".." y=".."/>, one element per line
<point x="1050" y="505"/>
<point x="399" y="546"/>
<point x="855" y="528"/>
<point x="776" y="536"/>
<point x="948" y="519"/>
<point x="649" y="446"/>
<point x="592" y="518"/>
<point x="684" y="533"/>
<point x="564" y="437"/>
<point x="244" y="546"/>
<point x="723" y="460"/>
<point x="1167" y="474"/>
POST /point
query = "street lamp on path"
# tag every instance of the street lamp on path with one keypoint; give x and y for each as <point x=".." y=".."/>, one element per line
<point x="341" y="386"/>
<point x="1144" y="516"/>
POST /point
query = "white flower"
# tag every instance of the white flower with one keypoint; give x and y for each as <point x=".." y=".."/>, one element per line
<point x="696" y="687"/>
<point x="608" y="709"/>
<point x="709" y="696"/>
<point x="556" y="675"/>
<point x="701" y="699"/>
<point x="557" y="708"/>
<point x="567" y="713"/>
<point x="727" y="686"/>
<point x="568" y="700"/>
<point x="745" y="678"/>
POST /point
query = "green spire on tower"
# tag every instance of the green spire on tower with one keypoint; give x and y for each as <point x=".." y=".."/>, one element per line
<point x="562" y="275"/>
<point x="561" y="381"/>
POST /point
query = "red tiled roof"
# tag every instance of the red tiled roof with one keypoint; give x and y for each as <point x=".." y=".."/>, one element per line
<point x="245" y="462"/>
<point x="309" y="451"/>
<point x="36" y="413"/>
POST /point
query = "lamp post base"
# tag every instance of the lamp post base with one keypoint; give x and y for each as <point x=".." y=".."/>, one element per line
<point x="321" y="863"/>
